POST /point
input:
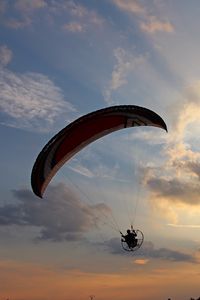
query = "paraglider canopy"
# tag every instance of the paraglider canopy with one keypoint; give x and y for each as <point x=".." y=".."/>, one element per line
<point x="84" y="131"/>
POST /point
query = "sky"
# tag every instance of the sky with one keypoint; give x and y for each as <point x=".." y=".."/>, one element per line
<point x="59" y="60"/>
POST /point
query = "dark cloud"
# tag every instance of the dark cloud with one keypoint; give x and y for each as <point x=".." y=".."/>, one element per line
<point x="61" y="216"/>
<point x="114" y="246"/>
<point x="148" y="251"/>
<point x="194" y="167"/>
<point x="188" y="167"/>
<point x="175" y="190"/>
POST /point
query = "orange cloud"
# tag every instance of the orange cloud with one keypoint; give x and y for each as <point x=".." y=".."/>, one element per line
<point x="155" y="25"/>
<point x="150" y="24"/>
<point x="132" y="6"/>
<point x="141" y="261"/>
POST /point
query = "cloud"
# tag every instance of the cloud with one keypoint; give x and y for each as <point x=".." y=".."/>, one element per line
<point x="70" y="7"/>
<point x="147" y="22"/>
<point x="98" y="170"/>
<point x="25" y="6"/>
<point x="5" y="55"/>
<point x="175" y="190"/>
<point x="148" y="251"/>
<point x="82" y="170"/>
<point x="185" y="122"/>
<point x="83" y="13"/>
<point x="18" y="24"/>
<point x="175" y="183"/>
<point x="26" y="13"/>
<point x="141" y="261"/>
<point x="194" y="168"/>
<point x="155" y="25"/>
<point x="73" y="27"/>
<point x="61" y="216"/>
<point x="126" y="63"/>
<point x="30" y="101"/>
<point x="75" y="9"/>
<point x="148" y="135"/>
<point x="82" y="18"/>
<point x="131" y="6"/>
<point x="114" y="246"/>
<point x="45" y="281"/>
<point x="184" y="225"/>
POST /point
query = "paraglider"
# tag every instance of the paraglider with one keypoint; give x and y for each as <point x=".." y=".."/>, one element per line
<point x="83" y="131"/>
<point x="132" y="240"/>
